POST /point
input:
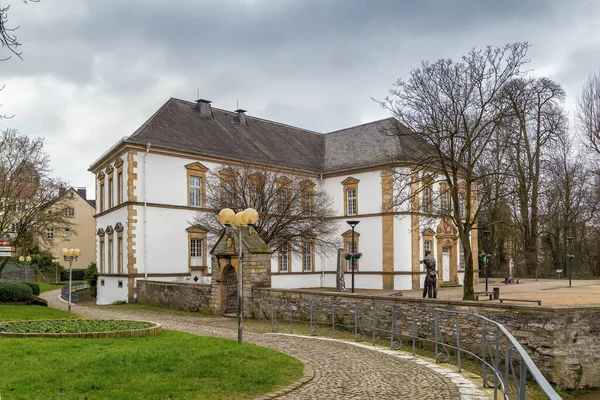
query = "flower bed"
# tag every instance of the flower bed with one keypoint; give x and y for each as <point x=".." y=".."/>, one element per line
<point x="81" y="328"/>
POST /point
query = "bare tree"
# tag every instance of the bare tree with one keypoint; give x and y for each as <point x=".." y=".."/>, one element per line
<point x="537" y="119"/>
<point x="8" y="38"/>
<point x="30" y="199"/>
<point x="291" y="209"/>
<point x="454" y="109"/>
<point x="588" y="111"/>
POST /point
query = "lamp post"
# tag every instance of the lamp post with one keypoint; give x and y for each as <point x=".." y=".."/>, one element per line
<point x="26" y="260"/>
<point x="570" y="255"/>
<point x="486" y="249"/>
<point x="353" y="254"/>
<point x="70" y="255"/>
<point x="239" y="221"/>
<point x="56" y="261"/>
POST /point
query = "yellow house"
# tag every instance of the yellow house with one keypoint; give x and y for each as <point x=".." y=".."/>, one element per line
<point x="82" y="231"/>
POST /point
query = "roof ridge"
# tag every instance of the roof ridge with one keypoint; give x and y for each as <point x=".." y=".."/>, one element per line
<point x="255" y="118"/>
<point x="359" y="125"/>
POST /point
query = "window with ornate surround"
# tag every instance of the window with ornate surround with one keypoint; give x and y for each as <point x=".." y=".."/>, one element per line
<point x="110" y="171"/>
<point x="100" y="196"/>
<point x="101" y="266"/>
<point x="228" y="188"/>
<point x="119" y="168"/>
<point x="196" y="185"/>
<point x="350" y="196"/>
<point x="283" y="195"/>
<point x="284" y="257"/>
<point x="428" y="195"/>
<point x="197" y="258"/>
<point x="347" y="236"/>
<point x="119" y="230"/>
<point x="308" y="197"/>
<point x="109" y="232"/>
<point x="308" y="255"/>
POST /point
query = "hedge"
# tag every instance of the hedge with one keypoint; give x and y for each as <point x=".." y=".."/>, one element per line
<point x="35" y="288"/>
<point x="15" y="292"/>
<point x="78" y="275"/>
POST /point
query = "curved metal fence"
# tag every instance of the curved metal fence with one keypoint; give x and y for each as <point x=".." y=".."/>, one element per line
<point x="450" y="336"/>
<point x="75" y="287"/>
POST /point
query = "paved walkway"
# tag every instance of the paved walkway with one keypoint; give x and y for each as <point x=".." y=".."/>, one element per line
<point x="341" y="370"/>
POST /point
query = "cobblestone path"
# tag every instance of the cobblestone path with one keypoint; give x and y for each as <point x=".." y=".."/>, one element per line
<point x="341" y="371"/>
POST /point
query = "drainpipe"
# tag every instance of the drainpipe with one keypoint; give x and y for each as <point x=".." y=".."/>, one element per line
<point x="322" y="258"/>
<point x="145" y="217"/>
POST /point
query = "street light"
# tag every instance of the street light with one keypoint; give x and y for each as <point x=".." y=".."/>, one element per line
<point x="70" y="255"/>
<point x="486" y="249"/>
<point x="354" y="255"/>
<point x="26" y="260"/>
<point x="570" y="255"/>
<point x="239" y="221"/>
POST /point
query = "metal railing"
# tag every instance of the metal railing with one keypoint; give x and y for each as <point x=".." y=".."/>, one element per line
<point x="75" y="287"/>
<point x="452" y="337"/>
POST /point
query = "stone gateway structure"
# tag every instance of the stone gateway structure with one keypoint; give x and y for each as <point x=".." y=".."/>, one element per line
<point x="256" y="269"/>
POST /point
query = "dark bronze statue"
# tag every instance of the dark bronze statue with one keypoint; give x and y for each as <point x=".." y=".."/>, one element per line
<point x="430" y="287"/>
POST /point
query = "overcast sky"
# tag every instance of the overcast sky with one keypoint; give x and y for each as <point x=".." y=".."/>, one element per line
<point x="93" y="71"/>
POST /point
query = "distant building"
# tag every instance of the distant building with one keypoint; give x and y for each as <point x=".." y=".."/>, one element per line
<point x="151" y="184"/>
<point x="81" y="233"/>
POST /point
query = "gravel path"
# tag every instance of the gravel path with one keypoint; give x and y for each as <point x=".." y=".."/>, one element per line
<point x="338" y="370"/>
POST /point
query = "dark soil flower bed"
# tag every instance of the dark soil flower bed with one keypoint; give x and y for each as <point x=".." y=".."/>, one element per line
<point x="79" y="328"/>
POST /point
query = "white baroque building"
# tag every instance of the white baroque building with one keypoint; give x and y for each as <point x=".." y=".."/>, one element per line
<point x="150" y="185"/>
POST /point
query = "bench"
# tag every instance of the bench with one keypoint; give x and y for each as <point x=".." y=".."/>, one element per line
<point x="559" y="272"/>
<point x="489" y="294"/>
<point x="523" y="300"/>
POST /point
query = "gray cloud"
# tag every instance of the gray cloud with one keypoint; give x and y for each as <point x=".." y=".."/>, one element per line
<point x="95" y="70"/>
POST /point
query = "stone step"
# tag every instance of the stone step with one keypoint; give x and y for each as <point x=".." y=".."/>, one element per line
<point x="448" y="284"/>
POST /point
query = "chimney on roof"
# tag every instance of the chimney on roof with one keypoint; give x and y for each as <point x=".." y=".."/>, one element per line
<point x="204" y="107"/>
<point x="241" y="116"/>
<point x="83" y="192"/>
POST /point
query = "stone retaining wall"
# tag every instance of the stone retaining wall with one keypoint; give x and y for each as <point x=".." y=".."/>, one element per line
<point x="179" y="296"/>
<point x="564" y="343"/>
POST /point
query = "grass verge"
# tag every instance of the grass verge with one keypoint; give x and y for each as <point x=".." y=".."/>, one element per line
<point x="26" y="313"/>
<point x="174" y="365"/>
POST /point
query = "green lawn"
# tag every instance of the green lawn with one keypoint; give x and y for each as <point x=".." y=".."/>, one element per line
<point x="174" y="365"/>
<point x="24" y="313"/>
<point x="46" y="287"/>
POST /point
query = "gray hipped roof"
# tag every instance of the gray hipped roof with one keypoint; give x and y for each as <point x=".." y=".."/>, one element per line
<point x="178" y="125"/>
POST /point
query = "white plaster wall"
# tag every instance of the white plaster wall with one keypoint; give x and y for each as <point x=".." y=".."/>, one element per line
<point x="167" y="178"/>
<point x="110" y="292"/>
<point x="307" y="280"/>
<point x="364" y="281"/>
<point x="370" y="244"/>
<point x="461" y="278"/>
<point x="369" y="192"/>
<point x="112" y="218"/>
<point x="402" y="243"/>
<point x="403" y="282"/>
<point x="402" y="189"/>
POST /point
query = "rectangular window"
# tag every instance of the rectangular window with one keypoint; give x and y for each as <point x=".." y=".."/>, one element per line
<point x="461" y="205"/>
<point x="351" y="199"/>
<point x="102" y="256"/>
<point x="120" y="284"/>
<point x="228" y="194"/>
<point x="101" y="197"/>
<point x="50" y="234"/>
<point x="283" y="258"/>
<point x="110" y="193"/>
<point x="351" y="250"/>
<point x="67" y="234"/>
<point x="255" y="195"/>
<point x="444" y="200"/>
<point x="307" y="257"/>
<point x="101" y="282"/>
<point x="462" y="257"/>
<point x="195" y="191"/>
<point x="120" y="255"/>
<point x="196" y="252"/>
<point x="110" y="255"/>
<point x="70" y="212"/>
<point x="427" y="199"/>
<point x="427" y="246"/>
<point x="308" y="203"/>
<point x="120" y="187"/>
<point x="283" y="200"/>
